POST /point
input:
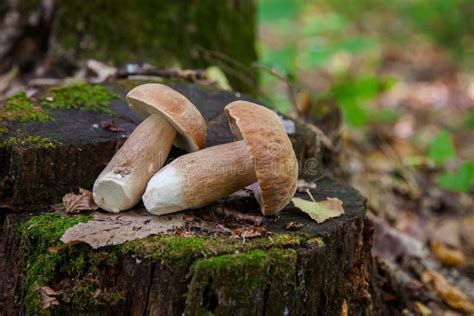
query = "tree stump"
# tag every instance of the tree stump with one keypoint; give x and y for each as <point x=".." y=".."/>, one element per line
<point x="41" y="161"/>
<point x="235" y="268"/>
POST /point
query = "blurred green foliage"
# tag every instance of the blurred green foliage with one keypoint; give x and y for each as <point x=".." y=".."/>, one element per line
<point x="449" y="23"/>
<point x="441" y="149"/>
<point x="461" y="180"/>
<point x="302" y="36"/>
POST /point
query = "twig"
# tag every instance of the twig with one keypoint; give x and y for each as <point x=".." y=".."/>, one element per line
<point x="248" y="218"/>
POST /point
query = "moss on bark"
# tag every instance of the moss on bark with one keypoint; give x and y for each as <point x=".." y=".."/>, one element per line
<point x="45" y="260"/>
<point x="239" y="283"/>
<point x="164" y="33"/>
<point x="82" y="96"/>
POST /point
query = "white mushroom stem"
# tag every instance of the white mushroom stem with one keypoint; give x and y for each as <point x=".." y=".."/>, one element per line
<point x="121" y="184"/>
<point x="200" y="178"/>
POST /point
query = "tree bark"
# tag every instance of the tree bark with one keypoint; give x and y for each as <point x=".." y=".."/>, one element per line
<point x="319" y="270"/>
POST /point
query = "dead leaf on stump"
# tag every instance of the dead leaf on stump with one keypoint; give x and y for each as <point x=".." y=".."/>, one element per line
<point x="247" y="232"/>
<point x="48" y="297"/>
<point x="110" y="126"/>
<point x="320" y="211"/>
<point x="114" y="229"/>
<point x="294" y="226"/>
<point x="76" y="203"/>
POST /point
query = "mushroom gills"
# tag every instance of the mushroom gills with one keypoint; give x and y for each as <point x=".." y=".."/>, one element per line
<point x="121" y="184"/>
<point x="200" y="178"/>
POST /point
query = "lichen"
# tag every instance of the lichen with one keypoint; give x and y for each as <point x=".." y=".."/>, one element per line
<point x="30" y="140"/>
<point x="82" y="96"/>
<point x="20" y="108"/>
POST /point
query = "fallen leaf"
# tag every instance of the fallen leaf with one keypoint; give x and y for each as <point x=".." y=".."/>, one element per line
<point x="47" y="297"/>
<point x="320" y="211"/>
<point x="111" y="127"/>
<point x="449" y="257"/>
<point x="246" y="232"/>
<point x="422" y="309"/>
<point x="450" y="295"/>
<point x="75" y="203"/>
<point x="102" y="71"/>
<point x="114" y="229"/>
<point x="392" y="245"/>
<point x="294" y="226"/>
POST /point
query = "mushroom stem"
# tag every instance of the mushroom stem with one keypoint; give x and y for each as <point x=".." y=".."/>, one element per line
<point x="121" y="184"/>
<point x="197" y="179"/>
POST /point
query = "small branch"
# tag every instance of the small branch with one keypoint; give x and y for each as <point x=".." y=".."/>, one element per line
<point x="248" y="218"/>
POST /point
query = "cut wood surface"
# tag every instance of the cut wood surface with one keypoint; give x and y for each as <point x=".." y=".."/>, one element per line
<point x="83" y="143"/>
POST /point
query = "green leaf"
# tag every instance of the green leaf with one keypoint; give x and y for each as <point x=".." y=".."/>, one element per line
<point x="469" y="121"/>
<point x="283" y="59"/>
<point x="384" y="115"/>
<point x="276" y="10"/>
<point x="320" y="211"/>
<point x="353" y="113"/>
<point x="355" y="44"/>
<point x="460" y="181"/>
<point x="441" y="148"/>
<point x="329" y="22"/>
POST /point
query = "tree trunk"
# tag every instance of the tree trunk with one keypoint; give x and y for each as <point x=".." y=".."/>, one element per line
<point x="51" y="37"/>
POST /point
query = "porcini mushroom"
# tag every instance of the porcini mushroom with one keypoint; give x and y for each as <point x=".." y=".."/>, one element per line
<point x="261" y="156"/>
<point x="170" y="118"/>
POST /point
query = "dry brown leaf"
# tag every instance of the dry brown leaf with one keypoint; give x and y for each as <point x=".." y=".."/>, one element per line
<point x="76" y="203"/>
<point x="114" y="229"/>
<point x="450" y="295"/>
<point x="320" y="211"/>
<point x="422" y="309"/>
<point x="447" y="256"/>
<point x="246" y="232"/>
<point x="47" y="297"/>
<point x="294" y="226"/>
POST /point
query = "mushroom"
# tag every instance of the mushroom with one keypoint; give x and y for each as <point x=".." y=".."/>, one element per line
<point x="261" y="156"/>
<point x="170" y="117"/>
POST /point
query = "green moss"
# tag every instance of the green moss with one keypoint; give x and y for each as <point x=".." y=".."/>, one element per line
<point x="318" y="241"/>
<point x="251" y="273"/>
<point x="3" y="130"/>
<point x="20" y="108"/>
<point x="39" y="265"/>
<point x="45" y="261"/>
<point x="30" y="140"/>
<point x="175" y="251"/>
<point x="227" y="27"/>
<point x="86" y="97"/>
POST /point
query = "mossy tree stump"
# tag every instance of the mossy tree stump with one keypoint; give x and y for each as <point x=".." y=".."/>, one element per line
<point x="167" y="33"/>
<point x="317" y="270"/>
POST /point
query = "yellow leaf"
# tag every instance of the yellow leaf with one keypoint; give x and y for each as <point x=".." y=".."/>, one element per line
<point x="447" y="256"/>
<point x="320" y="211"/>
<point x="450" y="295"/>
<point x="216" y="75"/>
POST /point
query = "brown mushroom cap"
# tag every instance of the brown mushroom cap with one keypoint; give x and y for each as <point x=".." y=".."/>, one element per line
<point x="155" y="98"/>
<point x="271" y="151"/>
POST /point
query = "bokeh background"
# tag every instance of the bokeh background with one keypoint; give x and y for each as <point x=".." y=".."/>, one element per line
<point x="389" y="83"/>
